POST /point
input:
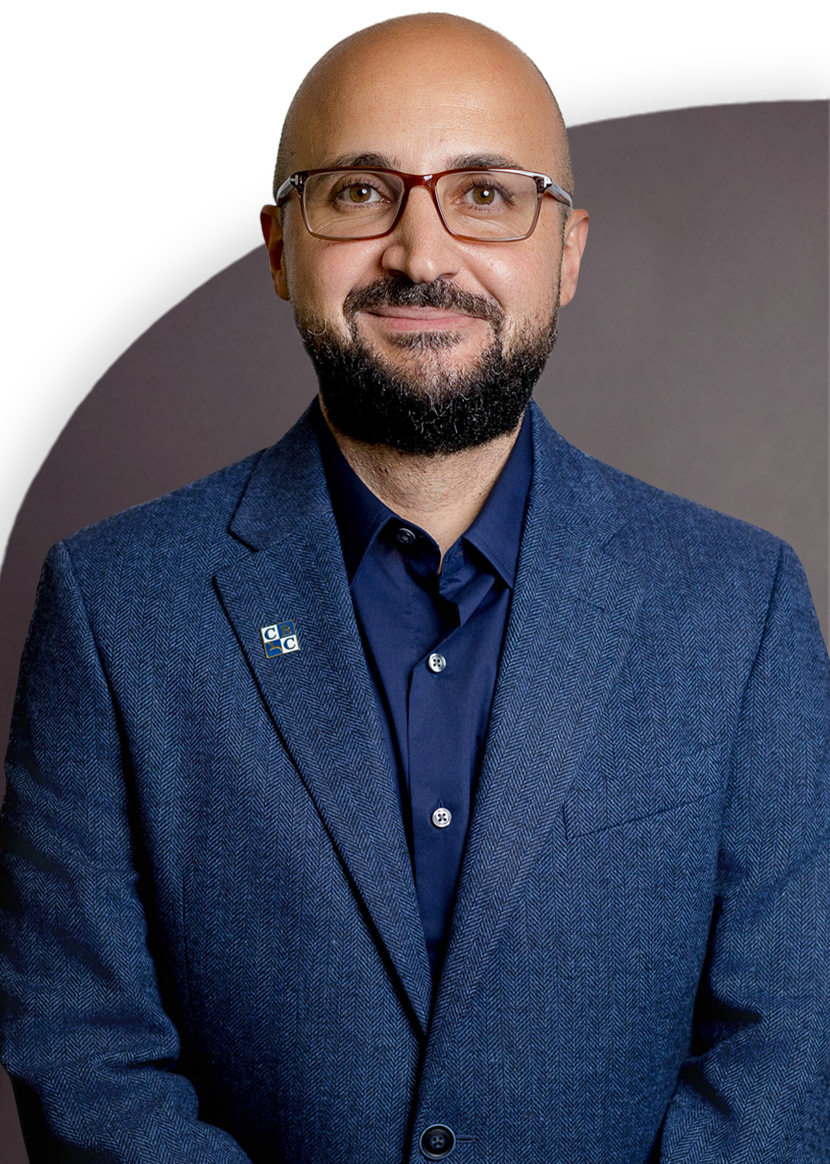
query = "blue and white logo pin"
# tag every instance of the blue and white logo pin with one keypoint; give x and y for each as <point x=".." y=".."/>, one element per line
<point x="279" y="639"/>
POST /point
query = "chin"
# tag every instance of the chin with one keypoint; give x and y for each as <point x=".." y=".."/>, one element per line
<point x="431" y="361"/>
<point x="430" y="356"/>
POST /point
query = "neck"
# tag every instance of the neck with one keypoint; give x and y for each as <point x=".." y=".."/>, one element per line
<point x="443" y="493"/>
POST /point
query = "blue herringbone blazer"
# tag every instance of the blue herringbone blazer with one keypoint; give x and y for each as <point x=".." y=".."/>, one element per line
<point x="211" y="946"/>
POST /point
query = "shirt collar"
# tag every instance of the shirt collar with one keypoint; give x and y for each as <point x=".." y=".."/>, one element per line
<point x="496" y="532"/>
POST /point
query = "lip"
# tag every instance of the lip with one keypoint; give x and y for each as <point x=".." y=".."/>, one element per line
<point x="421" y="318"/>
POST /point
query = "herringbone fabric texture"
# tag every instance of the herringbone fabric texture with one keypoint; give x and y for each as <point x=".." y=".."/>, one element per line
<point x="210" y="941"/>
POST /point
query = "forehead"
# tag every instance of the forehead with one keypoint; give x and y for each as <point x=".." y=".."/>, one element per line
<point x="422" y="106"/>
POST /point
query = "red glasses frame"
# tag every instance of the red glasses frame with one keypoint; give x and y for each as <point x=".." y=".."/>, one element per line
<point x="544" y="185"/>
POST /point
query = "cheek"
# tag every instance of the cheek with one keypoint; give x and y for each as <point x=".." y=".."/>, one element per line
<point x="524" y="276"/>
<point x="320" y="274"/>
<point x="528" y="290"/>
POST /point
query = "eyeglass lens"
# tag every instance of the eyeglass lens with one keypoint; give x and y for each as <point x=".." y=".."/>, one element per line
<point x="482" y="204"/>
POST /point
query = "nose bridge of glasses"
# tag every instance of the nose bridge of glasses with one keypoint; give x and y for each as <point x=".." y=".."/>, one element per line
<point x="410" y="182"/>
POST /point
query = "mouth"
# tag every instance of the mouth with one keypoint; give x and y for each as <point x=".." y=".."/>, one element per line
<point x="419" y="319"/>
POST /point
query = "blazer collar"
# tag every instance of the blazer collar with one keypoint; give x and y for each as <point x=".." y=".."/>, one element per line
<point x="287" y="488"/>
<point x="320" y="697"/>
<point x="575" y="600"/>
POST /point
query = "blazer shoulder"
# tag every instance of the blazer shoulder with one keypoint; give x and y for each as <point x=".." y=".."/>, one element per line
<point x="175" y="545"/>
<point x="198" y="523"/>
<point x="670" y="520"/>
<point x="666" y="533"/>
<point x="197" y="512"/>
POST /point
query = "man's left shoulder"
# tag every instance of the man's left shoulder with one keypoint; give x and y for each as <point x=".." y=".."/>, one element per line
<point x="675" y="544"/>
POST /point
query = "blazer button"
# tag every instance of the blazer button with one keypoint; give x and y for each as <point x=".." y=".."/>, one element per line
<point x="437" y="1142"/>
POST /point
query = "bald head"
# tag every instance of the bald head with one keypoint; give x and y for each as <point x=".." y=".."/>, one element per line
<point x="446" y="306"/>
<point x="417" y="60"/>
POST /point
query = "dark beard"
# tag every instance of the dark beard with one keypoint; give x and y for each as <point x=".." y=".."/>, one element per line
<point x="431" y="410"/>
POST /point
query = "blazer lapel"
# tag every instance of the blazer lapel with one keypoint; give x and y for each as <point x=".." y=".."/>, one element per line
<point x="573" y="609"/>
<point x="320" y="696"/>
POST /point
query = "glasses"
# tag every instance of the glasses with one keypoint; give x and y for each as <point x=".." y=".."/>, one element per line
<point x="494" y="205"/>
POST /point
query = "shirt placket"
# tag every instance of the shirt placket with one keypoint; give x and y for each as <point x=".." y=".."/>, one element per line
<point x="439" y="762"/>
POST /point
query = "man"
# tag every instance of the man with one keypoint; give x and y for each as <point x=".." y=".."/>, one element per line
<point x="419" y="786"/>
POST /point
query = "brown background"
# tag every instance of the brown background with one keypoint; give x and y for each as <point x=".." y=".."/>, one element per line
<point x="695" y="356"/>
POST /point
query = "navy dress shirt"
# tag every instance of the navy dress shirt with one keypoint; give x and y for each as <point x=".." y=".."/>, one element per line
<point x="433" y="642"/>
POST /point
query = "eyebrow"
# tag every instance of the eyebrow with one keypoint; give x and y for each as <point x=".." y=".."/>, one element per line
<point x="484" y="162"/>
<point x="459" y="162"/>
<point x="369" y="160"/>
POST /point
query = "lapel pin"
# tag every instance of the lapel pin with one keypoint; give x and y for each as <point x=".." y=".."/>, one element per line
<point x="279" y="639"/>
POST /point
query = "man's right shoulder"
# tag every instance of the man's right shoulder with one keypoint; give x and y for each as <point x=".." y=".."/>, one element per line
<point x="193" y="526"/>
<point x="199" y="511"/>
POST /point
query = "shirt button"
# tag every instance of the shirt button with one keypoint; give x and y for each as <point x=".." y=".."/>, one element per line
<point x="404" y="536"/>
<point x="441" y="818"/>
<point x="436" y="663"/>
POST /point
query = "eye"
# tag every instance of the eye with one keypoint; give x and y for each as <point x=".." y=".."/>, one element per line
<point x="481" y="192"/>
<point x="356" y="191"/>
<point x="484" y="195"/>
<point x="359" y="193"/>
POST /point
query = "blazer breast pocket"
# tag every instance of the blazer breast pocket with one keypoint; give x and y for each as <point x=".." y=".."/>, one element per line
<point x="604" y="797"/>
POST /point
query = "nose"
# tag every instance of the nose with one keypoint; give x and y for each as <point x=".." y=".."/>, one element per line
<point x="420" y="247"/>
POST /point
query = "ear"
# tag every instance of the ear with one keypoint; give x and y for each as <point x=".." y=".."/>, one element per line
<point x="269" y="218"/>
<point x="576" y="234"/>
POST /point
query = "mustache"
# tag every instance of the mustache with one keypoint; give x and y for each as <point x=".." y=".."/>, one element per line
<point x="400" y="292"/>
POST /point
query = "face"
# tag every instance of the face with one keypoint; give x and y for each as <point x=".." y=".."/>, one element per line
<point x="434" y="314"/>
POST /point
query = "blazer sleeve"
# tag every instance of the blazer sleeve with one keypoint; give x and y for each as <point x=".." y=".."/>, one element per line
<point x="83" y="1032"/>
<point x="753" y="1088"/>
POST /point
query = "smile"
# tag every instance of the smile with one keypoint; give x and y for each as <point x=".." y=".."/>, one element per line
<point x="421" y="318"/>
